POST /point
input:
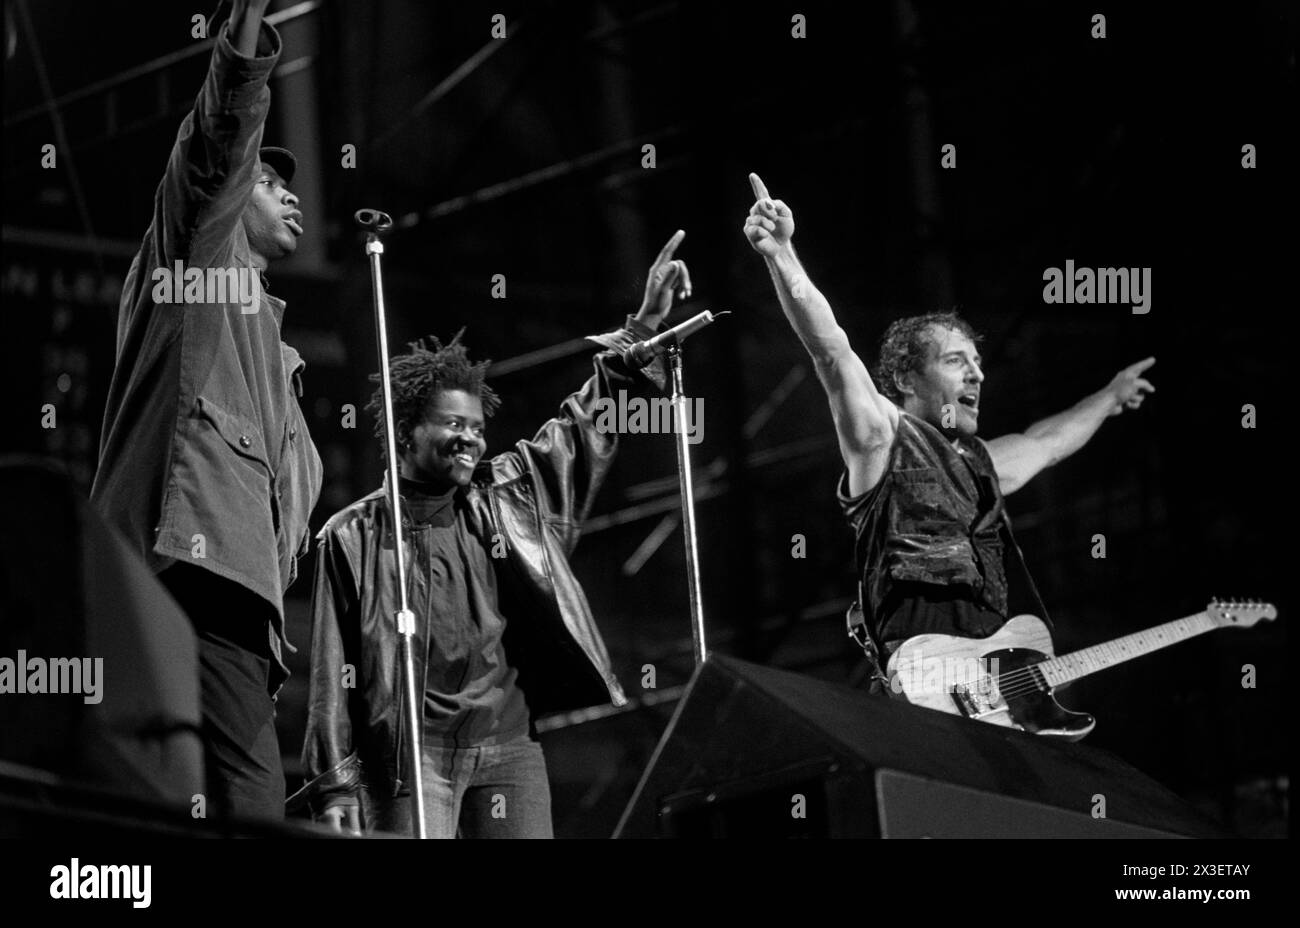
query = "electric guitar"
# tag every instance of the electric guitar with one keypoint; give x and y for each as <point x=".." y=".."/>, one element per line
<point x="1009" y="677"/>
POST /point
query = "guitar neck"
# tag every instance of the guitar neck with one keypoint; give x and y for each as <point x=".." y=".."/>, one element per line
<point x="1067" y="667"/>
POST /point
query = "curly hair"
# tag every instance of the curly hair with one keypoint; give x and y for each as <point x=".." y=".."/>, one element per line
<point x="906" y="343"/>
<point x="428" y="367"/>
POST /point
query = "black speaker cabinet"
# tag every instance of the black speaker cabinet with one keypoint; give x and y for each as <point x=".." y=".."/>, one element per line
<point x="754" y="751"/>
<point x="72" y="590"/>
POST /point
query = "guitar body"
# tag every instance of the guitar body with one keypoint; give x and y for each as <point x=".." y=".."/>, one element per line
<point x="991" y="679"/>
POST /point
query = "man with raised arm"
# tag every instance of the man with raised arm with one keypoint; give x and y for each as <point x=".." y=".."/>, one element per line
<point x="205" y="463"/>
<point x="923" y="495"/>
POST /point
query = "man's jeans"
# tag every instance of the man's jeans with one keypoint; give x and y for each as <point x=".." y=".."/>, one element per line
<point x="493" y="791"/>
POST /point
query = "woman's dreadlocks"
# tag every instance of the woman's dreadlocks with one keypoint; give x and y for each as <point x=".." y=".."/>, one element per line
<point x="430" y="366"/>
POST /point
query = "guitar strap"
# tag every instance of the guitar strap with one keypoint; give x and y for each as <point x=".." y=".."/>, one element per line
<point x="1005" y="520"/>
<point x="1024" y="569"/>
<point x="859" y="628"/>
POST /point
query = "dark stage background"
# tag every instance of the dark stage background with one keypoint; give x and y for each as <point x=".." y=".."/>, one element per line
<point x="523" y="157"/>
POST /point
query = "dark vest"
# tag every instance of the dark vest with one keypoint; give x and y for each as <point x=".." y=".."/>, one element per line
<point x="933" y="518"/>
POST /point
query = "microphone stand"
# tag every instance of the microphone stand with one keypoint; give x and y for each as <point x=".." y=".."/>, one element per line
<point x="688" y="505"/>
<point x="376" y="223"/>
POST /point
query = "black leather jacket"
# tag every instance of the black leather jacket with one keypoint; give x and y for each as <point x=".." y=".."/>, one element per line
<point x="535" y="497"/>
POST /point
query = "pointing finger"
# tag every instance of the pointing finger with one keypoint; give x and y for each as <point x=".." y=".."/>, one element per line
<point x="666" y="253"/>
<point x="1142" y="365"/>
<point x="760" y="190"/>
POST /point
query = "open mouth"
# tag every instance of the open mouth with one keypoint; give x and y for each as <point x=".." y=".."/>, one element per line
<point x="970" y="402"/>
<point x="466" y="460"/>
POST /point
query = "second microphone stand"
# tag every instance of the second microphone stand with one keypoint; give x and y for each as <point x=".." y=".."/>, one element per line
<point x="688" y="504"/>
<point x="375" y="223"/>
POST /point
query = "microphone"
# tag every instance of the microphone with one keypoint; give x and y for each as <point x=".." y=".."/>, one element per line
<point x="373" y="220"/>
<point x="642" y="353"/>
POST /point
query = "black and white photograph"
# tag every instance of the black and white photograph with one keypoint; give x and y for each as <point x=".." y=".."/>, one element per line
<point x="647" y="421"/>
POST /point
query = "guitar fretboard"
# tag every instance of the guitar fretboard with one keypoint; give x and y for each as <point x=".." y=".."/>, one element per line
<point x="1067" y="667"/>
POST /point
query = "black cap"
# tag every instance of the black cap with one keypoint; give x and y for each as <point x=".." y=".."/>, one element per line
<point x="281" y="159"/>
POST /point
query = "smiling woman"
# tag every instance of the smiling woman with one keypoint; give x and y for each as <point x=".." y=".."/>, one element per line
<point x="501" y="628"/>
<point x="443" y="448"/>
<point x="440" y="401"/>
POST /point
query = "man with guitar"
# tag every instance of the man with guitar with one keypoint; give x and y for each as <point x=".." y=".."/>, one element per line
<point x="922" y="493"/>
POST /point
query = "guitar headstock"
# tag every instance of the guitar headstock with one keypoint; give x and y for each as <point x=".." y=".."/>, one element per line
<point x="1243" y="613"/>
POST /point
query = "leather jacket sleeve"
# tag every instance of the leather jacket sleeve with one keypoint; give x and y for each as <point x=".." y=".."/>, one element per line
<point x="330" y="759"/>
<point x="570" y="455"/>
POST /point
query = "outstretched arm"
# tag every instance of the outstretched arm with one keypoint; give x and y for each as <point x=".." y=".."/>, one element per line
<point x="213" y="163"/>
<point x="865" y="420"/>
<point x="571" y="454"/>
<point x="1019" y="457"/>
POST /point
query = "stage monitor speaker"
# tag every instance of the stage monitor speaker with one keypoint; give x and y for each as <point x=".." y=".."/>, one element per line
<point x="755" y="751"/>
<point x="915" y="807"/>
<point x="82" y="614"/>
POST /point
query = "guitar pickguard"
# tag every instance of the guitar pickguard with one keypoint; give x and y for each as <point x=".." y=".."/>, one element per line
<point x="1014" y="693"/>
